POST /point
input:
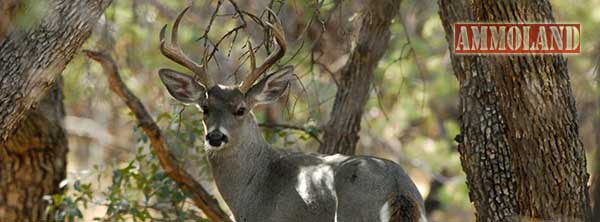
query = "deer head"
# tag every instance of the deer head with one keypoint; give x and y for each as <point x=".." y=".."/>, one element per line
<point x="228" y="120"/>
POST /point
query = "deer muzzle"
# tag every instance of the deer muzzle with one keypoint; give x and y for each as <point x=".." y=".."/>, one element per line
<point x="215" y="139"/>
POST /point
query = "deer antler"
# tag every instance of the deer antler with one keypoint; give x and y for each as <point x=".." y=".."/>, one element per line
<point x="277" y="31"/>
<point x="175" y="53"/>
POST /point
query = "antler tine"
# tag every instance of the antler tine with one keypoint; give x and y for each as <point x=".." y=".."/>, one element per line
<point x="175" y="53"/>
<point x="252" y="56"/>
<point x="255" y="73"/>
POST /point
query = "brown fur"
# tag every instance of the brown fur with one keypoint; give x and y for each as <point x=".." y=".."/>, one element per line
<point x="404" y="208"/>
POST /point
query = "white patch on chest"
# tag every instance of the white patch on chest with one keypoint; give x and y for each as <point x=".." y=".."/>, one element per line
<point x="314" y="182"/>
<point x="384" y="212"/>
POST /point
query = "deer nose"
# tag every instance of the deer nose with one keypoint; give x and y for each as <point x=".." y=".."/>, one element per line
<point x="216" y="138"/>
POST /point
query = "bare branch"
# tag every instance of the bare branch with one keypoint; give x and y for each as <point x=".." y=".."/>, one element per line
<point x="277" y="31"/>
<point x="312" y="133"/>
<point x="210" y="23"/>
<point x="165" y="11"/>
<point x="202" y="198"/>
<point x="238" y="13"/>
<point x="232" y="31"/>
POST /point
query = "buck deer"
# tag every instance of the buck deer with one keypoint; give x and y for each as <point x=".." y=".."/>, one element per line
<point x="263" y="184"/>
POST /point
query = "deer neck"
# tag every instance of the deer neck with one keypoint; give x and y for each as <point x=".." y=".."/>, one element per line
<point x="239" y="170"/>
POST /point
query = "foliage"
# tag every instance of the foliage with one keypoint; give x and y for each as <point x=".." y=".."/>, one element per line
<point x="138" y="191"/>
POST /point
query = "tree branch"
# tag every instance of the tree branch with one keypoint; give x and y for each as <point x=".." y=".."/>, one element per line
<point x="340" y="135"/>
<point x="312" y="133"/>
<point x="33" y="59"/>
<point x="202" y="199"/>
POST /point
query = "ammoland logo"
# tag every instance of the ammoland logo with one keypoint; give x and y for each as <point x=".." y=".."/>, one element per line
<point x="506" y="38"/>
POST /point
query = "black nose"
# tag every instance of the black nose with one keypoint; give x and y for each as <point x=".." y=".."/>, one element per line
<point x="216" y="138"/>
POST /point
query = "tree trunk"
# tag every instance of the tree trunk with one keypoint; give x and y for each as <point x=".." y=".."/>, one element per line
<point x="30" y="61"/>
<point x="595" y="190"/>
<point x="519" y="142"/>
<point x="33" y="161"/>
<point x="341" y="132"/>
<point x="595" y="185"/>
<point x="33" y="143"/>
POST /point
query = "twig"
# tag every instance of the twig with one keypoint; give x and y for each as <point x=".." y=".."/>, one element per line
<point x="202" y="199"/>
<point x="312" y="134"/>
<point x="421" y="69"/>
<point x="238" y="13"/>
<point x="165" y="11"/>
<point x="232" y="31"/>
<point x="210" y="23"/>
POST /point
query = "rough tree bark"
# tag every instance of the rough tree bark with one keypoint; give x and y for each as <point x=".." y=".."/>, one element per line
<point x="31" y="60"/>
<point x="595" y="187"/>
<point x="33" y="161"/>
<point x="519" y="142"/>
<point x="341" y="132"/>
<point x="33" y="143"/>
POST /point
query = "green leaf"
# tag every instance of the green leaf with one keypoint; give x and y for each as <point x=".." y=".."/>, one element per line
<point x="164" y="115"/>
<point x="77" y="185"/>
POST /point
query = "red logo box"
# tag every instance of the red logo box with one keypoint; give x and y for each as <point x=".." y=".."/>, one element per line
<point x="505" y="38"/>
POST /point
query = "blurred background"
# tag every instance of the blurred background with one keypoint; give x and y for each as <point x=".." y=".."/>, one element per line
<point x="411" y="116"/>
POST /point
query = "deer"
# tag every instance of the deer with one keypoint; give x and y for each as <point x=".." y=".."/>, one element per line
<point x="261" y="183"/>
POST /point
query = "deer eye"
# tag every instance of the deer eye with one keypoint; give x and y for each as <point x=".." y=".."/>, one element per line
<point x="240" y="111"/>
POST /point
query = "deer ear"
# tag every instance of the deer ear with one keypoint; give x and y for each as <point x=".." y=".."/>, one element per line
<point x="270" y="88"/>
<point x="181" y="86"/>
